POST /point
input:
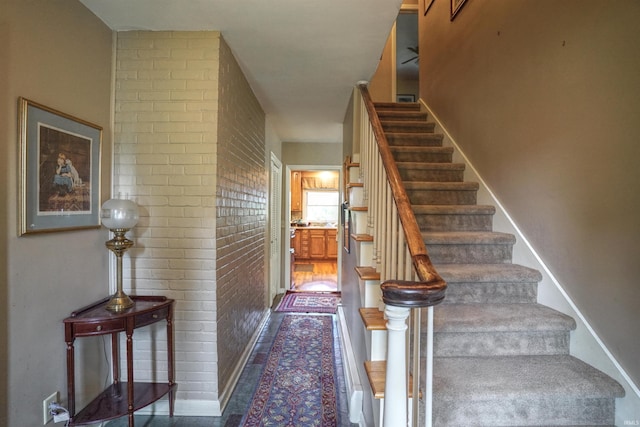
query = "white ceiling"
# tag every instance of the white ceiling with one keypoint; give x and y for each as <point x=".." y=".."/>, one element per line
<point x="301" y="57"/>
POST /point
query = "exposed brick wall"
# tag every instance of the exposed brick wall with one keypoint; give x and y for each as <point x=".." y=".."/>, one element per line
<point x="183" y="109"/>
<point x="241" y="201"/>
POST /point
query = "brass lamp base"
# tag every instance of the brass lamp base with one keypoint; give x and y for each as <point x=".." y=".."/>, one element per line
<point x="119" y="302"/>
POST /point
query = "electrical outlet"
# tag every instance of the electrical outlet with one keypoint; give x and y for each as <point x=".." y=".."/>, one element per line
<point x="46" y="415"/>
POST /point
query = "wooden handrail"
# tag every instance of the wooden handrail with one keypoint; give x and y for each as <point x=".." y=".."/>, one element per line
<point x="430" y="288"/>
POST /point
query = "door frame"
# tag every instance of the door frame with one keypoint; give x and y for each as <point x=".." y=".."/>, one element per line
<point x="287" y="218"/>
<point x="275" y="228"/>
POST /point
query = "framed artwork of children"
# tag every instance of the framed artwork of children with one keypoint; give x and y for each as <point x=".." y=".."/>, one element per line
<point x="59" y="170"/>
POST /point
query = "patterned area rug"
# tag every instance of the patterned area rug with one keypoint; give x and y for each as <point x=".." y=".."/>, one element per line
<point x="309" y="302"/>
<point x="298" y="384"/>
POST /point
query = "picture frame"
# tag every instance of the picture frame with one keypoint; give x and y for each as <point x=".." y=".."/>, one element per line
<point x="427" y="6"/>
<point x="456" y="5"/>
<point x="59" y="167"/>
<point x="407" y="97"/>
<point x="346" y="230"/>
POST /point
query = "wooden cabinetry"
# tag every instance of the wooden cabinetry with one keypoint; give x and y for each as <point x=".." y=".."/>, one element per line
<point x="296" y="191"/>
<point x="301" y="244"/>
<point x="121" y="398"/>
<point x="332" y="243"/>
<point x="315" y="244"/>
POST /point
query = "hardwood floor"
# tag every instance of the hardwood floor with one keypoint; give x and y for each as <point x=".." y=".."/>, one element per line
<point x="315" y="276"/>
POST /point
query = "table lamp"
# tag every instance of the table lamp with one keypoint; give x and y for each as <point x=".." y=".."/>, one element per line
<point x="119" y="216"/>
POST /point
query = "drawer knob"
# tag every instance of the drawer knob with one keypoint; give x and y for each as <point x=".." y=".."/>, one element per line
<point x="155" y="316"/>
<point x="99" y="328"/>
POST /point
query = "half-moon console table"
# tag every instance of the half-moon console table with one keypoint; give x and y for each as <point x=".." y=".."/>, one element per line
<point x="119" y="399"/>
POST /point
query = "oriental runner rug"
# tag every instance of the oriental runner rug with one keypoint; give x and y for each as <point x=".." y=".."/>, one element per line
<point x="298" y="386"/>
<point x="309" y="302"/>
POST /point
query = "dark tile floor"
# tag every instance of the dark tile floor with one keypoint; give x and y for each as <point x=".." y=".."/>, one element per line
<point x="243" y="392"/>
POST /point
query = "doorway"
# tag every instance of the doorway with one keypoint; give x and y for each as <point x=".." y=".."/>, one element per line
<point x="314" y="213"/>
<point x="407" y="57"/>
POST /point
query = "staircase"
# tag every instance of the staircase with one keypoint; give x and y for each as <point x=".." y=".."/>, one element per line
<point x="500" y="358"/>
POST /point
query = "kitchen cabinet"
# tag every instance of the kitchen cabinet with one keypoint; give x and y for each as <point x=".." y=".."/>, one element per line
<point x="332" y="243"/>
<point x="315" y="244"/>
<point x="301" y="244"/>
<point x="296" y="191"/>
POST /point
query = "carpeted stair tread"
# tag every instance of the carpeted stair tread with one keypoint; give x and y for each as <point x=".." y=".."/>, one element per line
<point x="467" y="238"/>
<point x="398" y="138"/>
<point x="454" y="209"/>
<point x="477" y="378"/>
<point x="479" y="273"/>
<point x="421" y="149"/>
<point x="500" y="318"/>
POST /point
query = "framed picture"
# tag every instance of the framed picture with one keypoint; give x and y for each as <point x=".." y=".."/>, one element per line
<point x="427" y="6"/>
<point x="405" y="98"/>
<point x="59" y="170"/>
<point x="456" y="5"/>
<point x="346" y="230"/>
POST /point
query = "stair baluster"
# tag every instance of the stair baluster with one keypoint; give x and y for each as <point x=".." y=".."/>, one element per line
<point x="410" y="282"/>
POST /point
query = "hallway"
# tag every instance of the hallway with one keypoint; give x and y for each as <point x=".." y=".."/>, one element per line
<point x="243" y="393"/>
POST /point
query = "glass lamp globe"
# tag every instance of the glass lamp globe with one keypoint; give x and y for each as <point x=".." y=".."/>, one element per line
<point x="119" y="214"/>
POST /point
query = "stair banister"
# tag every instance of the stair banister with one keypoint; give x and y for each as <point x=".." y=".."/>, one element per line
<point x="409" y="278"/>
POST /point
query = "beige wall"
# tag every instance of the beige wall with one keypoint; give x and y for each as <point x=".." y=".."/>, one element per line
<point x="382" y="86"/>
<point x="322" y="154"/>
<point x="190" y="149"/>
<point x="544" y="98"/>
<point x="58" y="54"/>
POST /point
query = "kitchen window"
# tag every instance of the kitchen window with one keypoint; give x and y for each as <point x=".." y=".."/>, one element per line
<point x="321" y="206"/>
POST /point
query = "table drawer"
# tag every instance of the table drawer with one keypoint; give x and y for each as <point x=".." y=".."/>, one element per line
<point x="99" y="328"/>
<point x="151" y="317"/>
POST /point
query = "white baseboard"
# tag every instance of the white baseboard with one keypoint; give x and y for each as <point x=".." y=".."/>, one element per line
<point x="351" y="376"/>
<point x="585" y="343"/>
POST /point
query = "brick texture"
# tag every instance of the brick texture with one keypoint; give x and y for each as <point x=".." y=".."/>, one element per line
<point x="189" y="149"/>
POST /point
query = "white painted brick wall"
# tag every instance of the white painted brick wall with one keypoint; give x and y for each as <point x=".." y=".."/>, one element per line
<point x="241" y="214"/>
<point x="200" y="238"/>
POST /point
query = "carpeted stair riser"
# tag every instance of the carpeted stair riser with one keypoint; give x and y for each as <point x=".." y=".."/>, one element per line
<point x="399" y="139"/>
<point x="422" y="154"/>
<point x="433" y="172"/>
<point x="407" y="126"/>
<point x="501" y="359"/>
<point x="411" y="116"/>
<point x="442" y="193"/>
<point x="469" y="247"/>
<point x="550" y="412"/>
<point x="473" y="293"/>
<point x="393" y="106"/>
<point x="488" y="330"/>
<point x="454" y="218"/>
<point x="489" y="283"/>
<point x="519" y="391"/>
